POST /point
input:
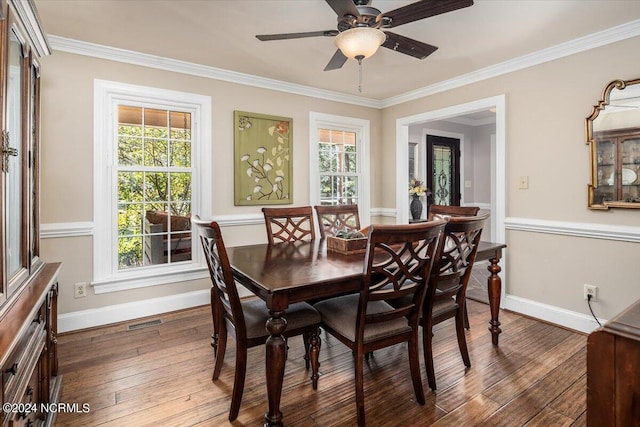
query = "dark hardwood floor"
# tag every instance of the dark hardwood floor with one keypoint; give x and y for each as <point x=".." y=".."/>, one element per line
<point x="161" y="376"/>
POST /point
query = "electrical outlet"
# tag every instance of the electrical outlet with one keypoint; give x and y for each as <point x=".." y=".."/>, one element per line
<point x="523" y="183"/>
<point x="80" y="290"/>
<point x="591" y="290"/>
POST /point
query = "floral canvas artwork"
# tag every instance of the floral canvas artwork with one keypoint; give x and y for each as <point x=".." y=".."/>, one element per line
<point x="263" y="159"/>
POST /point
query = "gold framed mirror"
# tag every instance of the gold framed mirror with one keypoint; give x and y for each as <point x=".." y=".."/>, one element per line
<point x="613" y="136"/>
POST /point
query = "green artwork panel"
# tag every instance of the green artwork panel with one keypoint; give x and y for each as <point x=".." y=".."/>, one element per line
<point x="262" y="159"/>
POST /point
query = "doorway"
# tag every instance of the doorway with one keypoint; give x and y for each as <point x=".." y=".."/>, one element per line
<point x="443" y="170"/>
<point x="497" y="167"/>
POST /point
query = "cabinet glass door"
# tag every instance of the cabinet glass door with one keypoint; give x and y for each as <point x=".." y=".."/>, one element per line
<point x="14" y="165"/>
<point x="606" y="166"/>
<point x="630" y="168"/>
<point x="33" y="164"/>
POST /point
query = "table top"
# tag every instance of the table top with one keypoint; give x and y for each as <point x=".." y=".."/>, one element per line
<point x="284" y="273"/>
<point x="488" y="250"/>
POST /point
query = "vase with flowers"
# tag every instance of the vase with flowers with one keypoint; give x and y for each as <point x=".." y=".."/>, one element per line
<point x="417" y="190"/>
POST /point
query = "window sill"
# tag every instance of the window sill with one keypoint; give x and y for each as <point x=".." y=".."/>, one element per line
<point x="149" y="277"/>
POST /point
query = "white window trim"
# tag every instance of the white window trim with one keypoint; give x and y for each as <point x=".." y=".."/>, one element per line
<point x="107" y="95"/>
<point x="362" y="129"/>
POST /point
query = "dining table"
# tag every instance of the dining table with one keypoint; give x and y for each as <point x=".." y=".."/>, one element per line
<point x="285" y="273"/>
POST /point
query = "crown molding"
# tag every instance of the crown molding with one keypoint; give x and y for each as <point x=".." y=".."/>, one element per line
<point x="28" y="14"/>
<point x="581" y="44"/>
<point x="571" y="47"/>
<point x="167" y="64"/>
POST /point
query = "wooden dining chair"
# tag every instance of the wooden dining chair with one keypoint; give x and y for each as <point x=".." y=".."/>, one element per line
<point x="289" y="224"/>
<point x="335" y="218"/>
<point x="245" y="320"/>
<point x="445" y="299"/>
<point x="444" y="211"/>
<point x="398" y="264"/>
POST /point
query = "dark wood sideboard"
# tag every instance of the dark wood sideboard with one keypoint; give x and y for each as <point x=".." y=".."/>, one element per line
<point x="30" y="385"/>
<point x="28" y="352"/>
<point x="613" y="371"/>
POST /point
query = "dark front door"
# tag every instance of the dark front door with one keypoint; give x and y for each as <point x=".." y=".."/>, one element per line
<point x="443" y="170"/>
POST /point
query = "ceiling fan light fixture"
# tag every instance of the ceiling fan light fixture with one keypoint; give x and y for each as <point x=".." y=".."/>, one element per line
<point x="360" y="42"/>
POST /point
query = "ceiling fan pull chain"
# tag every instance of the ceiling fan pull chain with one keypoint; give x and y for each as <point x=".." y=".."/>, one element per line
<point x="360" y="75"/>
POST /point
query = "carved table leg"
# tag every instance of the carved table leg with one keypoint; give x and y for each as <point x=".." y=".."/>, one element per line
<point x="276" y="350"/>
<point x="495" y="289"/>
<point x="314" y="354"/>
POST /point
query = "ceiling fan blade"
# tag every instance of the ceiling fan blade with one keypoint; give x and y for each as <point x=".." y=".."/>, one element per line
<point x="408" y="46"/>
<point x="268" y="37"/>
<point x="337" y="61"/>
<point x="420" y="10"/>
<point x="344" y="7"/>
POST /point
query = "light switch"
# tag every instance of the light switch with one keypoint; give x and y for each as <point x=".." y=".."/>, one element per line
<point x="467" y="183"/>
<point x="523" y="182"/>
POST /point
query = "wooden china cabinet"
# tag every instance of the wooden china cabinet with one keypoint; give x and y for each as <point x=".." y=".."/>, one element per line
<point x="613" y="371"/>
<point x="28" y="296"/>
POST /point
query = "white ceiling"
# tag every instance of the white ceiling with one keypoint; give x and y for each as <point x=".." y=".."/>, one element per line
<point x="221" y="34"/>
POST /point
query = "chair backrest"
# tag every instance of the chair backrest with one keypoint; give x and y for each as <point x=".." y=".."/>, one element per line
<point x="289" y="224"/>
<point x="224" y="291"/>
<point x="453" y="211"/>
<point x="398" y="265"/>
<point x="335" y="218"/>
<point x="461" y="238"/>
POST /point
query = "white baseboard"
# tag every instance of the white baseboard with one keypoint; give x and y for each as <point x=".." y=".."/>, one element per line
<point x="552" y="314"/>
<point x="131" y="310"/>
<point x="134" y="310"/>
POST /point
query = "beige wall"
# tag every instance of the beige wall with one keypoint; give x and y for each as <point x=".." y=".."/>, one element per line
<point x="545" y="105"/>
<point x="67" y="157"/>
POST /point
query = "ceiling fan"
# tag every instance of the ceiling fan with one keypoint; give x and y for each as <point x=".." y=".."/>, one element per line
<point x="359" y="33"/>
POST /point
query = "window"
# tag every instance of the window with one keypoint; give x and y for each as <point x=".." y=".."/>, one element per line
<point x="413" y="161"/>
<point x="339" y="161"/>
<point x="154" y="186"/>
<point x="151" y="148"/>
